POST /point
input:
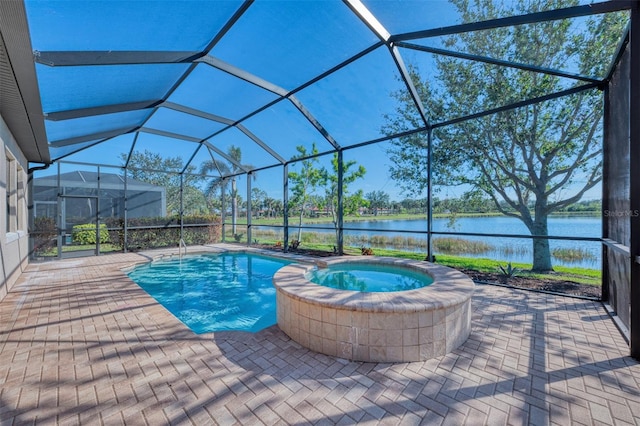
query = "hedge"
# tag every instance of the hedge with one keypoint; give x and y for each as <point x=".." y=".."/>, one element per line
<point x="86" y="233"/>
<point x="158" y="232"/>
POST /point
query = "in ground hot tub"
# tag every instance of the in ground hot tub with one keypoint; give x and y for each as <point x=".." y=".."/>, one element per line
<point x="390" y="326"/>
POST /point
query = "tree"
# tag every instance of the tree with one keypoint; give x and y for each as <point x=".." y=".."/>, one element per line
<point x="263" y="205"/>
<point x="151" y="168"/>
<point x="350" y="203"/>
<point x="531" y="161"/>
<point x="305" y="182"/>
<point x="259" y="199"/>
<point x="377" y="200"/>
<point x="223" y="169"/>
<point x="274" y="207"/>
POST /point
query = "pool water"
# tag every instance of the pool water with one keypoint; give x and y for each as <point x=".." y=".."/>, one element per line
<point x="215" y="292"/>
<point x="369" y="278"/>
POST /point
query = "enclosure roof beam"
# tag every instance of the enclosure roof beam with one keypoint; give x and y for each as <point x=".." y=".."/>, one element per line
<point x="520" y="104"/>
<point x="227" y="26"/>
<point x="110" y="57"/>
<point x="369" y="19"/>
<point x="186" y="165"/>
<point x="92" y="137"/>
<point x="530" y="18"/>
<point x="263" y="84"/>
<point x="225" y="156"/>
<point x="81" y="149"/>
<point x="314" y="122"/>
<point x="169" y="134"/>
<point x="406" y="78"/>
<point x="132" y="149"/>
<point x="100" y="110"/>
<point x="174" y="136"/>
<point x="230" y="123"/>
<point x="622" y="47"/>
<point x="262" y="145"/>
<point x="290" y="94"/>
<point x="243" y="75"/>
<point x="196" y="112"/>
<point x="500" y="62"/>
<point x="56" y="58"/>
<point x="381" y="32"/>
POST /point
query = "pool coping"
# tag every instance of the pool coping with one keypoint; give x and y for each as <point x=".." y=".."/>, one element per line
<point x="154" y="255"/>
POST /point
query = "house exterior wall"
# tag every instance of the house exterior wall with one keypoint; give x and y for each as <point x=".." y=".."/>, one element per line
<point x="14" y="238"/>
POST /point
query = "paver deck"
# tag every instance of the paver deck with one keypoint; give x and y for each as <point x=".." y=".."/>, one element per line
<point x="82" y="344"/>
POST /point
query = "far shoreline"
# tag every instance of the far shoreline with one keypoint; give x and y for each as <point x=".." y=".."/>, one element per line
<point x="405" y="216"/>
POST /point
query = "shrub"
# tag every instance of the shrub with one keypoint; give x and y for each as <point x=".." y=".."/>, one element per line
<point x="86" y="233"/>
<point x="461" y="246"/>
<point x="576" y="254"/>
<point x="156" y="232"/>
<point x="115" y="225"/>
<point x="508" y="272"/>
<point x="44" y="233"/>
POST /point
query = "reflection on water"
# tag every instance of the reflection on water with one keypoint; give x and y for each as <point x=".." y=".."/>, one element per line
<point x="229" y="291"/>
<point x="586" y="254"/>
<point x="369" y="278"/>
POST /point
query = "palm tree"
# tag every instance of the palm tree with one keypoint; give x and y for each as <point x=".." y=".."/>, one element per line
<point x="224" y="169"/>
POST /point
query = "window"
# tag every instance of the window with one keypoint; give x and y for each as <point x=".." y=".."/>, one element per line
<point x="16" y="194"/>
<point x="11" y="193"/>
<point x="21" y="199"/>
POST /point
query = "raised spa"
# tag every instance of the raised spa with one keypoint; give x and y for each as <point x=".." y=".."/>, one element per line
<point x="380" y="326"/>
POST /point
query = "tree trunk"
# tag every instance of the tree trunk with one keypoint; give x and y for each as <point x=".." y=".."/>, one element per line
<point x="541" y="250"/>
<point x="234" y="206"/>
<point x="300" y="222"/>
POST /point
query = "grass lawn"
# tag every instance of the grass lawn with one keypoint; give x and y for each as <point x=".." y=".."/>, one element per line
<point x="561" y="273"/>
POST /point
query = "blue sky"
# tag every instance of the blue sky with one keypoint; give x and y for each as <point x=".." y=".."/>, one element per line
<point x="284" y="43"/>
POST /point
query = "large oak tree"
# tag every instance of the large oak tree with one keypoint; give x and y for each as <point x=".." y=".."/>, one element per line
<point x="533" y="160"/>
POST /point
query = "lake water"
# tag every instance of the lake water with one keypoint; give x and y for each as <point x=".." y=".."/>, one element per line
<point x="502" y="248"/>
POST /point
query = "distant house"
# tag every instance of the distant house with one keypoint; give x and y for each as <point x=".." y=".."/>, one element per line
<point x="80" y="202"/>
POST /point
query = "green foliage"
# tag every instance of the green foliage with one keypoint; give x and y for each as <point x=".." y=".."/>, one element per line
<point x="223" y="169"/>
<point x="572" y="254"/>
<point x="156" y="232"/>
<point x="44" y="234"/>
<point x="377" y="200"/>
<point x="561" y="273"/>
<point x="115" y="225"/>
<point x="86" y="233"/>
<point x="508" y="272"/>
<point x="150" y="167"/>
<point x="460" y="246"/>
<point x="350" y="203"/>
<point x="530" y="161"/>
<point x="305" y="182"/>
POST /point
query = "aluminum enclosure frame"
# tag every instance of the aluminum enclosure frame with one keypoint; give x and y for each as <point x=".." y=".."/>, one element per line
<point x="392" y="43"/>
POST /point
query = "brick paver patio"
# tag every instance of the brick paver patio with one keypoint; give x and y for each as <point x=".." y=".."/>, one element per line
<point x="82" y="344"/>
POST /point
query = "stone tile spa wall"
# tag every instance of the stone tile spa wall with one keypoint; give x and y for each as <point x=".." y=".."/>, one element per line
<point x="402" y="326"/>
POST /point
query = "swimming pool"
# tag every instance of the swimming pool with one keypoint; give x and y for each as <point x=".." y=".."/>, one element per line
<point x="214" y="292"/>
